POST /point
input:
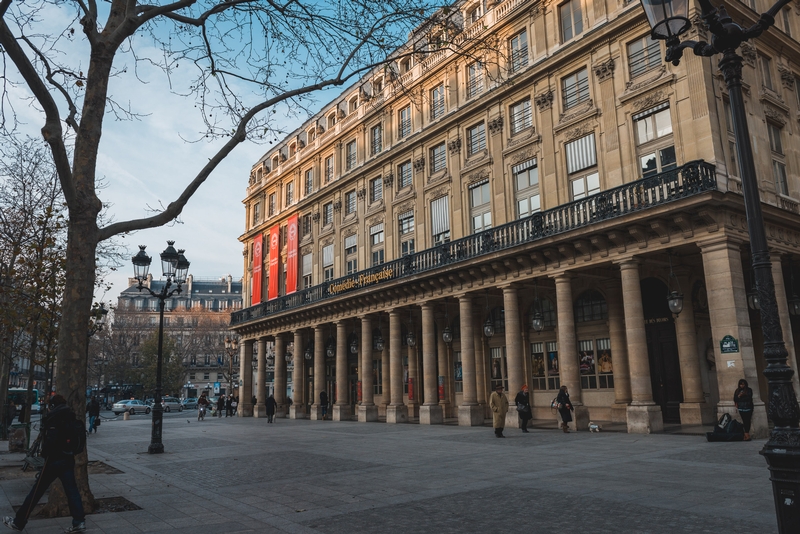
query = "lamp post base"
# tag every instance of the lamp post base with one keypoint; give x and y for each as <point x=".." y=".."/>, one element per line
<point x="784" y="470"/>
<point x="155" y="448"/>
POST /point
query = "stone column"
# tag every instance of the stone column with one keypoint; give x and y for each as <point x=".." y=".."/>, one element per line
<point x="341" y="410"/>
<point x="246" y="378"/>
<point x="727" y="303"/>
<point x="367" y="411"/>
<point x="430" y="413"/>
<point x="644" y="417"/>
<point x="280" y="376"/>
<point x="469" y="413"/>
<point x="298" y="408"/>
<point x="443" y="369"/>
<point x="619" y="353"/>
<point x="386" y="384"/>
<point x="261" y="380"/>
<point x="413" y="374"/>
<point x="694" y="409"/>
<point x="479" y="344"/>
<point x="514" y="351"/>
<point x="319" y="372"/>
<point x="786" y="322"/>
<point x="567" y="351"/>
<point x="396" y="411"/>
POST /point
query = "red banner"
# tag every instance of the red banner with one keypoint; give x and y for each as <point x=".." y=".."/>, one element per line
<point x="441" y="388"/>
<point x="359" y="391"/>
<point x="255" y="297"/>
<point x="410" y="388"/>
<point x="274" y="256"/>
<point x="291" y="258"/>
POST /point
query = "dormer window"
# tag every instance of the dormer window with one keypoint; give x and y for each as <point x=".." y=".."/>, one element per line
<point x="377" y="86"/>
<point x="405" y="65"/>
<point x="475" y="13"/>
<point x="352" y="105"/>
<point x="276" y="161"/>
<point x="332" y="120"/>
<point x="311" y="134"/>
<point x="292" y="149"/>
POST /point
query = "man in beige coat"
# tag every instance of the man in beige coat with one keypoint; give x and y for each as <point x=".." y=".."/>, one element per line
<point x="499" y="405"/>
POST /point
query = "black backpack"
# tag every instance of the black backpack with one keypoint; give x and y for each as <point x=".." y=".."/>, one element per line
<point x="74" y="439"/>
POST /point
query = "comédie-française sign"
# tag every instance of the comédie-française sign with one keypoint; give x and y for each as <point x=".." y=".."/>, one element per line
<point x="361" y="280"/>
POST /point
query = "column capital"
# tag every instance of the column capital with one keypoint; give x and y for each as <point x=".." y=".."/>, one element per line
<point x="720" y="242"/>
<point x="562" y="277"/>
<point x="628" y="263"/>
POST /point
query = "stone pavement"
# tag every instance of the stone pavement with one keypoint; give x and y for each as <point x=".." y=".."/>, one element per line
<point x="244" y="475"/>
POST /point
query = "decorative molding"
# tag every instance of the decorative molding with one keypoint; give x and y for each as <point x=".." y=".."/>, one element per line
<point x="375" y="219"/>
<point x="352" y="230"/>
<point x="454" y="146"/>
<point x="477" y="176"/>
<point x="649" y="100"/>
<point x="388" y="180"/>
<point x="605" y="69"/>
<point x="523" y="155"/>
<point x="308" y="249"/>
<point x="315" y="216"/>
<point x="361" y="193"/>
<point x="419" y="164"/>
<point x="775" y="115"/>
<point x="337" y="206"/>
<point x="496" y="125"/>
<point x="405" y="206"/>
<point x="577" y="112"/>
<point x="544" y="101"/>
<point x="698" y="28"/>
<point x="748" y="52"/>
<point x="578" y="131"/>
<point x="438" y="192"/>
<point x="327" y="241"/>
<point x="787" y="76"/>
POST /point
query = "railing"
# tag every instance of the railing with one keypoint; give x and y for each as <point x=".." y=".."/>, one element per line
<point x="690" y="179"/>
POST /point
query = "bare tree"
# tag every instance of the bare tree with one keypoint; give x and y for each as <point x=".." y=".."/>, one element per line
<point x="248" y="58"/>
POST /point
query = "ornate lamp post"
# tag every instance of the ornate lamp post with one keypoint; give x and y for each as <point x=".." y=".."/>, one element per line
<point x="231" y="350"/>
<point x="175" y="267"/>
<point x="669" y="19"/>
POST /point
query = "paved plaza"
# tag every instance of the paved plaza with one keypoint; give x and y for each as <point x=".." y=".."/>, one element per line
<point x="244" y="475"/>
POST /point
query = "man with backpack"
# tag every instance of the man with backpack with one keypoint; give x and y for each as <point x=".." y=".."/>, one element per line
<point x="63" y="438"/>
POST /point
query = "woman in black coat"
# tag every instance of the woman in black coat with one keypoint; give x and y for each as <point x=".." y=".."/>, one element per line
<point x="743" y="398"/>
<point x="523" y="402"/>
<point x="271" y="406"/>
<point x="564" y="408"/>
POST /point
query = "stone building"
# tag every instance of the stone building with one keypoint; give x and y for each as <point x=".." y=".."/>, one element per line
<point x="571" y="176"/>
<point x="196" y="319"/>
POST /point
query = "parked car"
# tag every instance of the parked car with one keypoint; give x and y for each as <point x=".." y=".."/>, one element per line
<point x="131" y="406"/>
<point x="171" y="403"/>
<point x="190" y="403"/>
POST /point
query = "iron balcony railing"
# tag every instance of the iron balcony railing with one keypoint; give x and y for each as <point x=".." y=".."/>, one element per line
<point x="690" y="179"/>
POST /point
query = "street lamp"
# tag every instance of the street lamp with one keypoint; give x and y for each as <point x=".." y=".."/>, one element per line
<point x="669" y="19"/>
<point x="231" y="349"/>
<point x="175" y="268"/>
<point x="97" y="320"/>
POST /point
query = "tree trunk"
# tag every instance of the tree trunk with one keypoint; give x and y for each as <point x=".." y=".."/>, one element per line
<point x="70" y="374"/>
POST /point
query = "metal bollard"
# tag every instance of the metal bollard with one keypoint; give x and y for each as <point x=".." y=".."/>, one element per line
<point x="126" y="416"/>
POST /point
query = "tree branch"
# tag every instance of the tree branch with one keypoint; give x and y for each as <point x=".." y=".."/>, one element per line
<point x="73" y="110"/>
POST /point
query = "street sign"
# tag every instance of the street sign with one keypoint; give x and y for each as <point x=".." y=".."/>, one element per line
<point x="729" y="345"/>
<point x="216" y="388"/>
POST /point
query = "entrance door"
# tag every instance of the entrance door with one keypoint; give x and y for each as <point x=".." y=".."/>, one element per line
<point x="353" y="379"/>
<point x="662" y="349"/>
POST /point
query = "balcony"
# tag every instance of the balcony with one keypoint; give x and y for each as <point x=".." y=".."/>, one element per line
<point x="688" y="180"/>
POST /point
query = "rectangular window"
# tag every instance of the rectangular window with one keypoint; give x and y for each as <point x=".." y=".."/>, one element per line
<point x="476" y="139"/>
<point x="581" y="154"/>
<point x="289" y="193"/>
<point x="309" y="182"/>
<point x="404" y="175"/>
<point x="440" y="220"/>
<point x="327" y="262"/>
<point x="475" y="81"/>
<point x="766" y="71"/>
<point x="585" y="186"/>
<point x="350" y="244"/>
<point x="404" y="122"/>
<point x="787" y="21"/>
<point x="350" y="202"/>
<point x="480" y="206"/>
<point x="438" y="158"/>
<point x="643" y="55"/>
<point x="305" y="225"/>
<point x="376" y="234"/>
<point x="406" y="230"/>
<point x="327" y="214"/>
<point x="376" y="139"/>
<point x="328" y="169"/>
<point x="778" y="159"/>
<point x="526" y="180"/>
<point x="350" y="150"/>
<point x="571" y="20"/>
<point x="520" y="114"/>
<point x="307" y="263"/>
<point x="519" y="51"/>
<point x="377" y="257"/>
<point x="256" y="213"/>
<point x="272" y="204"/>
<point x="437" y="102"/>
<point x="653" y="124"/>
<point x="575" y="88"/>
<point x="654" y="137"/>
<point x="376" y="189"/>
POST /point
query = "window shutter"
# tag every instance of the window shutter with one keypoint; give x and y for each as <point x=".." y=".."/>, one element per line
<point x="440" y="215"/>
<point x="581" y="154"/>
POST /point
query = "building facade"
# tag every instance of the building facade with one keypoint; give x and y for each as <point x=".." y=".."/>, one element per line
<point x="196" y="319"/>
<point x="561" y="172"/>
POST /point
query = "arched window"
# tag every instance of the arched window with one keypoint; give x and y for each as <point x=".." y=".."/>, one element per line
<point x="546" y="308"/>
<point x="590" y="306"/>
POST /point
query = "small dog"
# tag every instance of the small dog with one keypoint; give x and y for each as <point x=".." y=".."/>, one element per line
<point x="594" y="427"/>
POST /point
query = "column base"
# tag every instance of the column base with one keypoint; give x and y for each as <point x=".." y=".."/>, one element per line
<point x="759" y="426"/>
<point x="646" y="419"/>
<point x="297" y="411"/>
<point x="512" y="417"/>
<point x="431" y="415"/>
<point x="413" y="409"/>
<point x="397" y="414"/>
<point x="619" y="413"/>
<point x="280" y="411"/>
<point x="696" y="413"/>
<point x="367" y="414"/>
<point x="580" y="418"/>
<point x="342" y="412"/>
<point x="245" y="410"/>
<point x="315" y="412"/>
<point x="470" y="415"/>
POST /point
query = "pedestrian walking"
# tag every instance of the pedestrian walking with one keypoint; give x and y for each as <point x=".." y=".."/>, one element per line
<point x="271" y="407"/>
<point x="499" y="405"/>
<point x="323" y="401"/>
<point x="22" y="407"/>
<point x="524" y="411"/>
<point x="254" y="400"/>
<point x="564" y="408"/>
<point x="234" y="406"/>
<point x="11" y="411"/>
<point x="228" y="407"/>
<point x="63" y="436"/>
<point x="93" y="409"/>
<point x="743" y="398"/>
<point x="220" y="405"/>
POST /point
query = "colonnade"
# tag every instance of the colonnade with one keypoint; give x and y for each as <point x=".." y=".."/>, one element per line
<point x="633" y="394"/>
